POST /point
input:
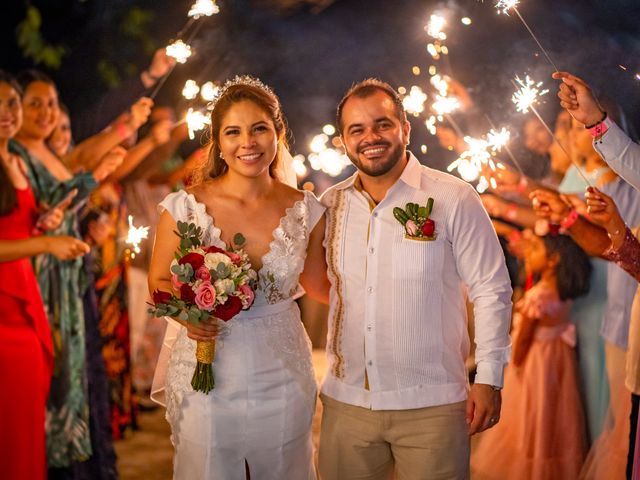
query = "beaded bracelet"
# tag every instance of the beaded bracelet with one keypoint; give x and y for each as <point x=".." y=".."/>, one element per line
<point x="569" y="220"/>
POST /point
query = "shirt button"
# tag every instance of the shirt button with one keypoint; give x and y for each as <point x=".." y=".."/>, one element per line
<point x="370" y="289"/>
<point x="369" y="328"/>
<point x="375" y="214"/>
<point x="369" y="363"/>
<point x="371" y="250"/>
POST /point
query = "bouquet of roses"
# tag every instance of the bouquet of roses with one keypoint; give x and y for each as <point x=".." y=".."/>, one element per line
<point x="208" y="283"/>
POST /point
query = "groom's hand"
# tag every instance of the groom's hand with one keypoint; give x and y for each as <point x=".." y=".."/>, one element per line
<point x="483" y="408"/>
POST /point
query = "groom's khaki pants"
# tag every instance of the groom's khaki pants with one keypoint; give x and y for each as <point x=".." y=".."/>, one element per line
<point x="421" y="444"/>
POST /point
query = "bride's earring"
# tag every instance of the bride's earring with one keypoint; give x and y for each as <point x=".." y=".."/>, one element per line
<point x="221" y="156"/>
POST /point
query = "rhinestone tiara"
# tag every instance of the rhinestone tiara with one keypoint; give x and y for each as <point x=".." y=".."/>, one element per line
<point x="239" y="80"/>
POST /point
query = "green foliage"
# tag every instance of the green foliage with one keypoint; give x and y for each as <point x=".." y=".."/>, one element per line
<point x="239" y="240"/>
<point x="32" y="43"/>
<point x="109" y="73"/>
<point x="135" y="24"/>
<point x="189" y="234"/>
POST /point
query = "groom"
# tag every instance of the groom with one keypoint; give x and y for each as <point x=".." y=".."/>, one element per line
<point x="396" y="394"/>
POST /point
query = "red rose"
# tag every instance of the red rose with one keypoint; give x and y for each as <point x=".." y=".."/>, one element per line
<point x="213" y="249"/>
<point x="228" y="309"/>
<point x="428" y="228"/>
<point x="187" y="294"/>
<point x="194" y="259"/>
<point x="161" y="297"/>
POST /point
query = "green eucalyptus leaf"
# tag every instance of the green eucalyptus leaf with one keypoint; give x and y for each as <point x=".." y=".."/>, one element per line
<point x="239" y="239"/>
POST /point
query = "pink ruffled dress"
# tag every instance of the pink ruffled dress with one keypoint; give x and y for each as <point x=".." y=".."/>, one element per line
<point x="541" y="433"/>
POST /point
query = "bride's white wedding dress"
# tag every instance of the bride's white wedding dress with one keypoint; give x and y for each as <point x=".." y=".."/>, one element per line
<point x="264" y="397"/>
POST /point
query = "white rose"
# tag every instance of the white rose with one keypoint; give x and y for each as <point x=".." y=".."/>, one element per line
<point x="224" y="287"/>
<point x="211" y="260"/>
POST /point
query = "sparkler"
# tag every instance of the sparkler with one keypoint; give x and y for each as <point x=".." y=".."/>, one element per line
<point x="180" y="50"/>
<point x="203" y="8"/>
<point x="506" y="146"/>
<point x="525" y="99"/>
<point x="196" y="120"/>
<point x="413" y="103"/>
<point x="190" y="90"/>
<point x="504" y="6"/>
<point x="435" y="26"/>
<point x="135" y="235"/>
<point x="209" y="91"/>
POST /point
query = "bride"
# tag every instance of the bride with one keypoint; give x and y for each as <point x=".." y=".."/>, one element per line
<point x="256" y="422"/>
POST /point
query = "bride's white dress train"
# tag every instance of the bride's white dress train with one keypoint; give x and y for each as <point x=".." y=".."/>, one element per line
<point x="264" y="397"/>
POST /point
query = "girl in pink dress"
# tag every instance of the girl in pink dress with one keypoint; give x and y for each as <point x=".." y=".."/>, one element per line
<point x="541" y="433"/>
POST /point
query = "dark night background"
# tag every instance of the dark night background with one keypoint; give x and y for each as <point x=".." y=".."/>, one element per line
<point x="310" y="51"/>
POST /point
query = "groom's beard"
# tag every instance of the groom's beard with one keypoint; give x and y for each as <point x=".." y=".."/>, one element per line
<point x="383" y="165"/>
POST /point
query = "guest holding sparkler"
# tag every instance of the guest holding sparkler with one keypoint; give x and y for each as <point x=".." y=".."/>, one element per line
<point x="68" y="437"/>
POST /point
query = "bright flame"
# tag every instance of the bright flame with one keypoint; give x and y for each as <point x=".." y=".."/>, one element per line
<point x="528" y="94"/>
<point x="196" y="121"/>
<point x="135" y="235"/>
<point x="203" y="8"/>
<point x="190" y="90"/>
<point x="435" y="26"/>
<point x="414" y="102"/>
<point x="482" y="185"/>
<point x="504" y="6"/>
<point x="209" y="91"/>
<point x="179" y="50"/>
<point x="465" y="20"/>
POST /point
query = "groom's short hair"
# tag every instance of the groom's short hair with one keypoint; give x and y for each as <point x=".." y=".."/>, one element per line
<point x="365" y="89"/>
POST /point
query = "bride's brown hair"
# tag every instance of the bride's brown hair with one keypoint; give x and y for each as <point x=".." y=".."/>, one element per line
<point x="238" y="90"/>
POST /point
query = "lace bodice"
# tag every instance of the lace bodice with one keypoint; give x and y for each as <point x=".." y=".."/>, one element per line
<point x="274" y="319"/>
<point x="283" y="262"/>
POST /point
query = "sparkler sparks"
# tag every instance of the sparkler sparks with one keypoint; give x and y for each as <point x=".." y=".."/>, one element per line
<point x="504" y="6"/>
<point x="203" y="8"/>
<point x="135" y="235"/>
<point x="527" y="96"/>
<point x="179" y="50"/>
<point x="196" y="121"/>
<point x="190" y="90"/>
<point x="498" y="139"/>
<point x="209" y="91"/>
<point x="435" y="26"/>
<point x="413" y="103"/>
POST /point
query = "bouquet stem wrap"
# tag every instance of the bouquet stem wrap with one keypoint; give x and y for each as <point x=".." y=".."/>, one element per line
<point x="202" y="380"/>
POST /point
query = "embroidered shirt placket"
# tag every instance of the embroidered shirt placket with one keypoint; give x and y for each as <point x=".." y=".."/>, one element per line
<point x="369" y="329"/>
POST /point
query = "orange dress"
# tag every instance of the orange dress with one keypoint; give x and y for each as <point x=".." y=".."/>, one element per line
<point x="26" y="354"/>
<point x="541" y="433"/>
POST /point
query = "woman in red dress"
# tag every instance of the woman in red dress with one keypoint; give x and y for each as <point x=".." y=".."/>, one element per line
<point x="26" y="354"/>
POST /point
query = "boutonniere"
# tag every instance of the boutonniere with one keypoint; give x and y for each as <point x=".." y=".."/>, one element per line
<point x="416" y="222"/>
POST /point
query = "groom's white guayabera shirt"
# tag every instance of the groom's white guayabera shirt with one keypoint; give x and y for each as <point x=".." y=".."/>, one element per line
<point x="397" y="320"/>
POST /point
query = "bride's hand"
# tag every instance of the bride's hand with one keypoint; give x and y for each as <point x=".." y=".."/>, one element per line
<point x="205" y="331"/>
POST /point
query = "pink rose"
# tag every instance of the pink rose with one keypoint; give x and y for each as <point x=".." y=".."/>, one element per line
<point x="205" y="296"/>
<point x="203" y="273"/>
<point x="247" y="292"/>
<point x="412" y="228"/>
<point x="234" y="257"/>
<point x="175" y="283"/>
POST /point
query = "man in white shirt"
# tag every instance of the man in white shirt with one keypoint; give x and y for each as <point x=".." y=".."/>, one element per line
<point x="395" y="395"/>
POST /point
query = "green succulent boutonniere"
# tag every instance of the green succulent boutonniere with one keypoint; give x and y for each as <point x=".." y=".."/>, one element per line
<point x="416" y="222"/>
